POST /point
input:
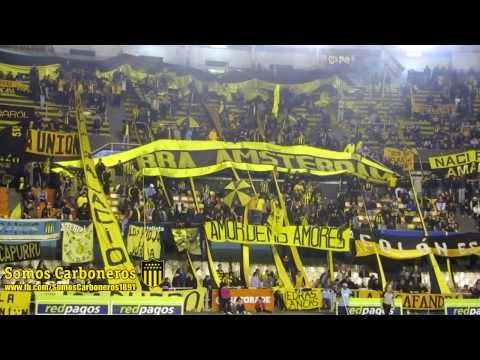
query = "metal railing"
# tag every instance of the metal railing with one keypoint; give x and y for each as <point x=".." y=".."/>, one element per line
<point x="115" y="147"/>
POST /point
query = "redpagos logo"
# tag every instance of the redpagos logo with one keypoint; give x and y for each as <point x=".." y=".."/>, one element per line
<point x="371" y="310"/>
<point x="72" y="309"/>
<point x="146" y="310"/>
<point x="463" y="310"/>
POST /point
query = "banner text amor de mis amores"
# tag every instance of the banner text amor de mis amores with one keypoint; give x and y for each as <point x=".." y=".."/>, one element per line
<point x="180" y="158"/>
<point x="313" y="237"/>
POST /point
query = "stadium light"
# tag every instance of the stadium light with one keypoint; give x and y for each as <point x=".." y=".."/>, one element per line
<point x="416" y="48"/>
<point x="414" y="54"/>
<point x="216" y="71"/>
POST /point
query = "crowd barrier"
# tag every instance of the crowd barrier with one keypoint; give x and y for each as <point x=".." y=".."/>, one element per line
<point x="363" y="302"/>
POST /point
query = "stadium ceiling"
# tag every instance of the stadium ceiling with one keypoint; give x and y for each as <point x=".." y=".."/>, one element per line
<point x="394" y="49"/>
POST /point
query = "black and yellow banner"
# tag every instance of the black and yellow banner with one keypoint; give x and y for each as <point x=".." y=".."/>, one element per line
<point x="52" y="143"/>
<point x="402" y="158"/>
<point x="443" y="109"/>
<point x="43" y="70"/>
<point x="15" y="302"/>
<point x="77" y="244"/>
<point x="421" y="301"/>
<point x="144" y="242"/>
<point x="182" y="158"/>
<point x="413" y="244"/>
<point x="465" y="163"/>
<point x="313" y="237"/>
<point x="10" y="114"/>
<point x="302" y="299"/>
<point x="19" y="252"/>
<point x="109" y="235"/>
<point x="250" y="88"/>
<point x="14" y="88"/>
<point x="187" y="239"/>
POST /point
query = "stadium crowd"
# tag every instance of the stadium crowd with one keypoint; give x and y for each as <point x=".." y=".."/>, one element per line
<point x="358" y="205"/>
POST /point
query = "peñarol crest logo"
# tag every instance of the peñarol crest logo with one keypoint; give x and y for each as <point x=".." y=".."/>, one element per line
<point x="152" y="273"/>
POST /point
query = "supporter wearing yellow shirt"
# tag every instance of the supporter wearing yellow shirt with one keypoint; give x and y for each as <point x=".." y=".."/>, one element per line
<point x="135" y="113"/>
<point x="213" y="135"/>
<point x="80" y="88"/>
<point x="82" y="199"/>
<point x="252" y="204"/>
<point x="261" y="204"/>
<point x="61" y="85"/>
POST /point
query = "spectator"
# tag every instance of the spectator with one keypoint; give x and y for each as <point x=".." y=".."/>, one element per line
<point x="415" y="276"/>
<point x="475" y="291"/>
<point x="255" y="281"/>
<point x="328" y="298"/>
<point x="388" y="298"/>
<point x="240" y="306"/>
<point x="220" y="271"/>
<point x="213" y="135"/>
<point x="345" y="294"/>
<point x="260" y="305"/>
<point x="225" y="296"/>
<point x="100" y="168"/>
<point x="165" y="285"/>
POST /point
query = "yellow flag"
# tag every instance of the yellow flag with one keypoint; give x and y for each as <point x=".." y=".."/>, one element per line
<point x="17" y="212"/>
<point x="112" y="247"/>
<point x="276" y="100"/>
<point x="350" y="148"/>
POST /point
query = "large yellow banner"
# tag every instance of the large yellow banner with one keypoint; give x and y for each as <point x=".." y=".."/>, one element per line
<point x="313" y="237"/>
<point x="302" y="299"/>
<point x="112" y="247"/>
<point x="420" y="301"/>
<point x="182" y="158"/>
<point x="43" y="70"/>
<point x="15" y="302"/>
<point x="403" y="158"/>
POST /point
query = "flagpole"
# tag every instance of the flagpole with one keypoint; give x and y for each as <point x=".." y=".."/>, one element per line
<point x="450" y="272"/>
<point x="444" y="289"/>
<point x="165" y="191"/>
<point x="213" y="271"/>
<point x="245" y="264"/>
<point x="296" y="256"/>
<point x="377" y="255"/>
<point x="145" y="257"/>
<point x="331" y="268"/>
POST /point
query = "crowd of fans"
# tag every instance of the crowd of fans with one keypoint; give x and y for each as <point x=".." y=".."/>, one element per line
<point x="358" y="204"/>
<point x="59" y="90"/>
